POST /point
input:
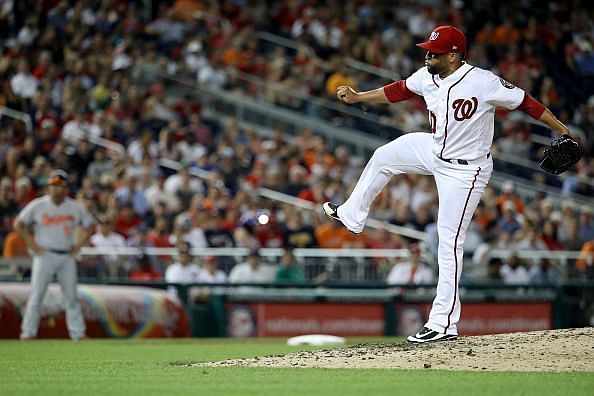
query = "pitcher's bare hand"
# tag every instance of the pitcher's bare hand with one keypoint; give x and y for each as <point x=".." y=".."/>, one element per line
<point x="347" y="94"/>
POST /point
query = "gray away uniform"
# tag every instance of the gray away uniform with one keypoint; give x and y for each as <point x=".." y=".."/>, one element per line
<point x="54" y="228"/>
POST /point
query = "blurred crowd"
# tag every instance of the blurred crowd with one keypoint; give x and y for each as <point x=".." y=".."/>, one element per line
<point x="88" y="72"/>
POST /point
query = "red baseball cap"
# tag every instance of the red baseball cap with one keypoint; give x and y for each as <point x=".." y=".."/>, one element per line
<point x="444" y="39"/>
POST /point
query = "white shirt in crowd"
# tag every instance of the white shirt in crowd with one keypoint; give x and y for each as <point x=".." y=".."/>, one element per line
<point x="206" y="277"/>
<point x="178" y="273"/>
<point x="154" y="194"/>
<point x="191" y="152"/>
<point x="113" y="239"/>
<point x="74" y="131"/>
<point x="195" y="237"/>
<point x="24" y="85"/>
<point x="174" y="183"/>
<point x="515" y="276"/>
<point x="136" y="151"/>
<point x="244" y="273"/>
<point x="401" y="274"/>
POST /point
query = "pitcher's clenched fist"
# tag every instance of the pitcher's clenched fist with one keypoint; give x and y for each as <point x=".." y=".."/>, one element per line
<point x="347" y="94"/>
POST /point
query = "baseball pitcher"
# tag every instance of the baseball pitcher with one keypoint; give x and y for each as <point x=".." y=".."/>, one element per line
<point x="461" y="100"/>
<point x="54" y="227"/>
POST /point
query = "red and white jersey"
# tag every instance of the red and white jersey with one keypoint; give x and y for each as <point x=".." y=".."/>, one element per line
<point x="462" y="108"/>
<point x="54" y="225"/>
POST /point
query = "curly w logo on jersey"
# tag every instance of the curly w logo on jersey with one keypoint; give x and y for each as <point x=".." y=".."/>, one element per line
<point x="464" y="108"/>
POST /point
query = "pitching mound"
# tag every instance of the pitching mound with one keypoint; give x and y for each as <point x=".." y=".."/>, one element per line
<point x="553" y="350"/>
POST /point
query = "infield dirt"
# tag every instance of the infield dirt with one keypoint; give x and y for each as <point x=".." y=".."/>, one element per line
<point x="552" y="350"/>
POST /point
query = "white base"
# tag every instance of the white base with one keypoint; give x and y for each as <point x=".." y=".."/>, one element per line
<point x="316" y="339"/>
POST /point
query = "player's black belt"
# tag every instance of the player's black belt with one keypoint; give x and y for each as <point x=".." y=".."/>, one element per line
<point x="56" y="251"/>
<point x="458" y="161"/>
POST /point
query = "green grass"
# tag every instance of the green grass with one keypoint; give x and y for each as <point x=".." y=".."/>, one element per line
<point x="138" y="367"/>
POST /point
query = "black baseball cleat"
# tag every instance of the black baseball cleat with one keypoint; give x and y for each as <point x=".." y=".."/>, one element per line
<point x="427" y="335"/>
<point x="331" y="210"/>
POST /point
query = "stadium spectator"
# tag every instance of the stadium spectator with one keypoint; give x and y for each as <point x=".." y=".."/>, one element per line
<point x="252" y="270"/>
<point x="185" y="231"/>
<point x="15" y="247"/>
<point x="184" y="270"/>
<point x="586" y="224"/>
<point x="288" y="271"/>
<point x="329" y="235"/>
<point x="144" y="270"/>
<point x="157" y="194"/>
<point x="127" y="220"/>
<point x="514" y="271"/>
<point x="8" y="206"/>
<point x="544" y="273"/>
<point x="23" y="83"/>
<point x="550" y="235"/>
<point x="585" y="263"/>
<point x="210" y="272"/>
<point x="109" y="265"/>
<point x="411" y="272"/>
<point x="509" y="194"/>
<point x="494" y="269"/>
<point x="508" y="223"/>
<point x="297" y="234"/>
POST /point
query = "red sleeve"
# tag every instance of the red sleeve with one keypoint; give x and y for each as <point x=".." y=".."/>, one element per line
<point x="397" y="91"/>
<point x="532" y="107"/>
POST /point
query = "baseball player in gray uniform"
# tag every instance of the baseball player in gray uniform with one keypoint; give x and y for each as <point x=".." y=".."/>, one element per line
<point x="461" y="101"/>
<point x="54" y="227"/>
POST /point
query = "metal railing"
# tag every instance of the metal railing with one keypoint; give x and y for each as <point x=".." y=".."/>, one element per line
<point x="19" y="115"/>
<point x="350" y="62"/>
<point x="264" y="116"/>
<point x="361" y="265"/>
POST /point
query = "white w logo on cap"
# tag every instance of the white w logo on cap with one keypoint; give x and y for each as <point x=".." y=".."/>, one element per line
<point x="433" y="36"/>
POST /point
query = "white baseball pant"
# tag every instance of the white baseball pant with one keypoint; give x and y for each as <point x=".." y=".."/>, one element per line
<point x="459" y="187"/>
<point x="44" y="268"/>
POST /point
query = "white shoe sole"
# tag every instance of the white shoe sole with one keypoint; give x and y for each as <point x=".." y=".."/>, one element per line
<point x="443" y="337"/>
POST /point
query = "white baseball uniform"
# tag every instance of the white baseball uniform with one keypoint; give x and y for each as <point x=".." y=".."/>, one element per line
<point x="461" y="114"/>
<point x="54" y="228"/>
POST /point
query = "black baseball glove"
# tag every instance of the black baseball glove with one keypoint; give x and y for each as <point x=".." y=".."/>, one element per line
<point x="561" y="154"/>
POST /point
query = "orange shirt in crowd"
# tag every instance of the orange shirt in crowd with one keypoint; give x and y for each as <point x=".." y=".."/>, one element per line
<point x="15" y="246"/>
<point x="506" y="34"/>
<point x="514" y="198"/>
<point x="185" y="9"/>
<point x="587" y="250"/>
<point x="483" y="219"/>
<point x="311" y="157"/>
<point x="330" y="237"/>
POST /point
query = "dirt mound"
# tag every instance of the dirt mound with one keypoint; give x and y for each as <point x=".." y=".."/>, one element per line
<point x="552" y="350"/>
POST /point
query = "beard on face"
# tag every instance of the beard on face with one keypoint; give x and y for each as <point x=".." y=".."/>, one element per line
<point x="436" y="69"/>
